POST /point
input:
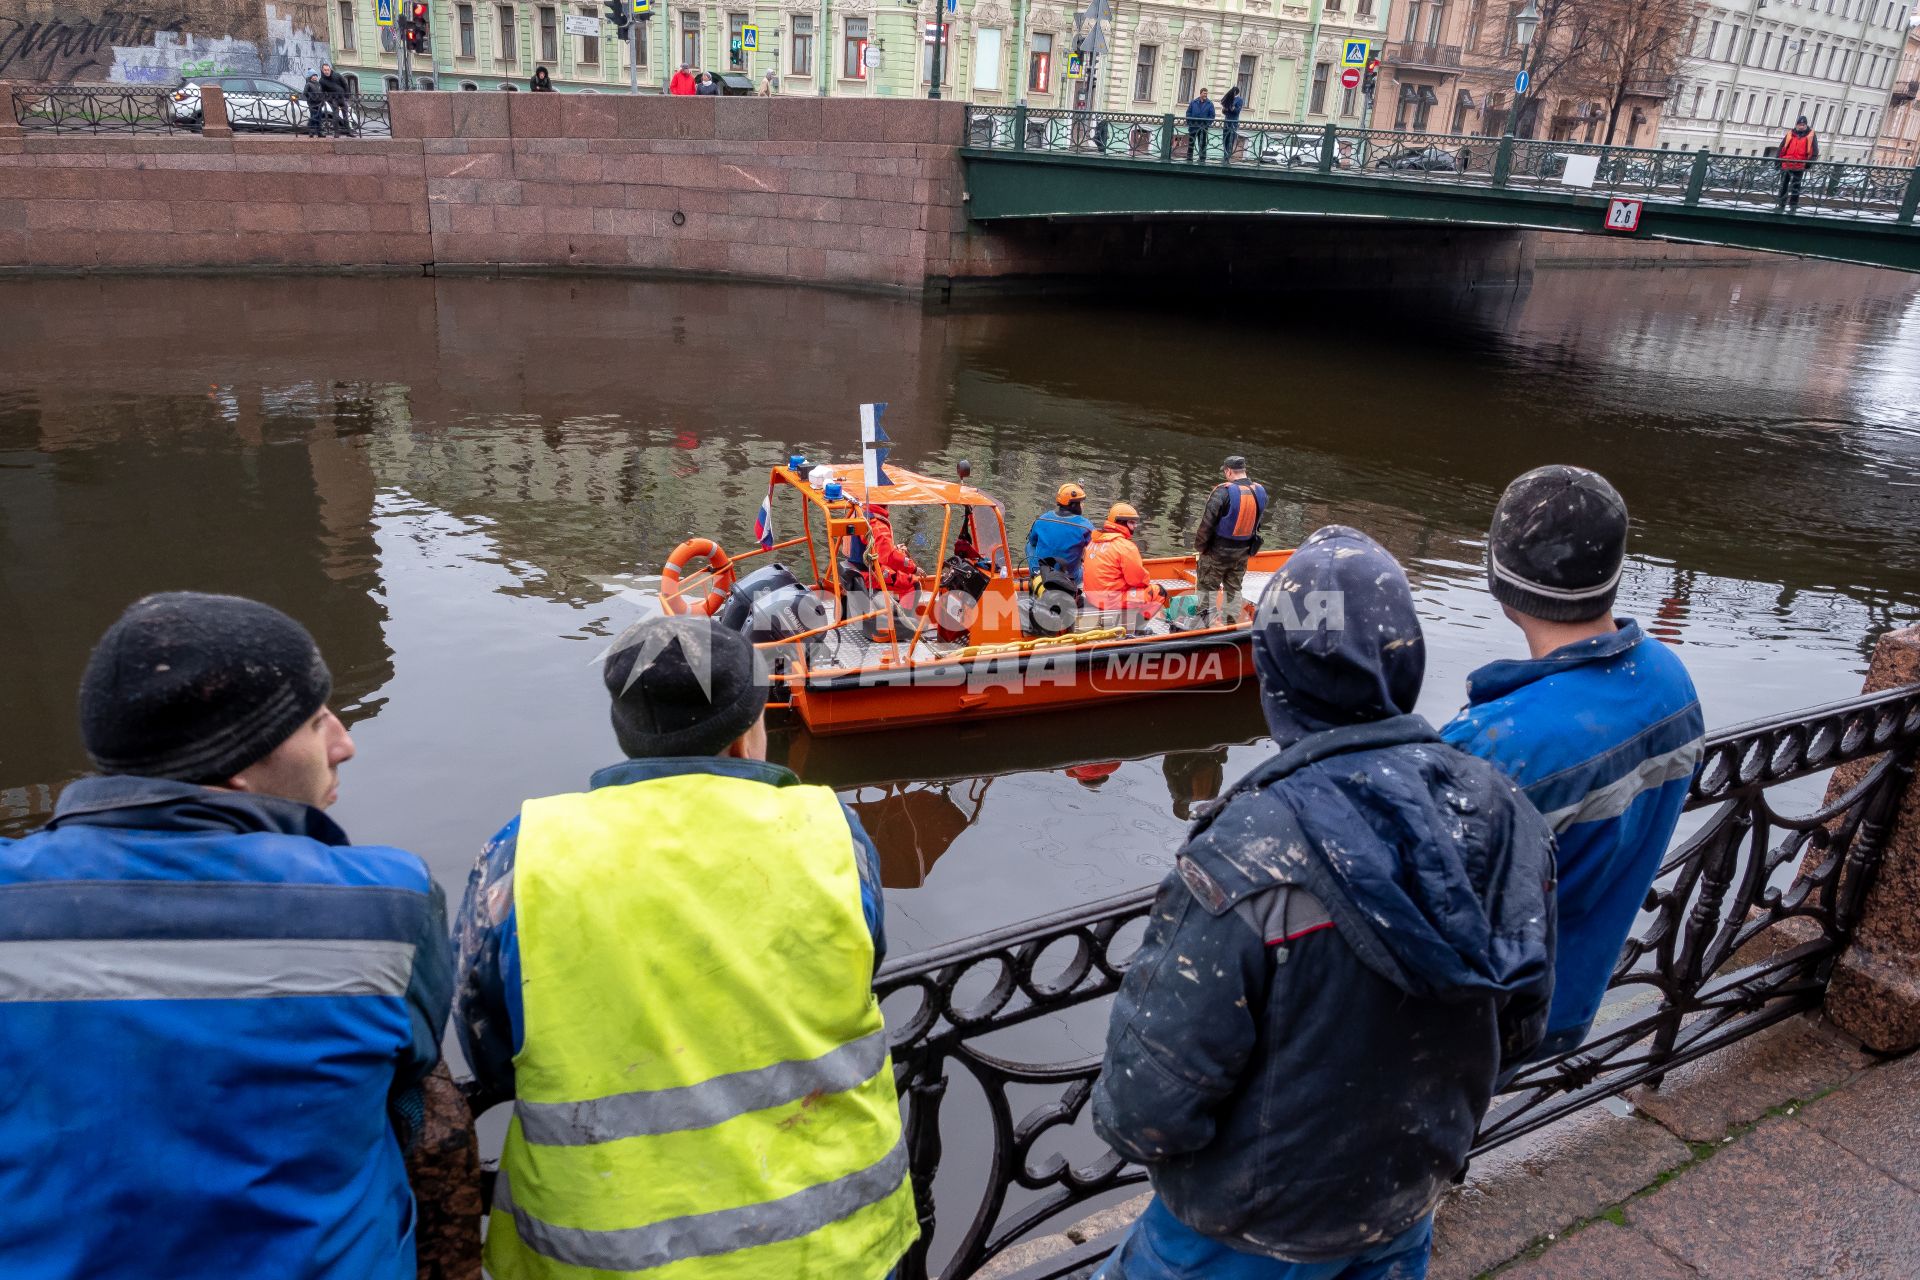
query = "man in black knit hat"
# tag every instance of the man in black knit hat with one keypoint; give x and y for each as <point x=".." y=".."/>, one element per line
<point x="196" y="967"/>
<point x="670" y="974"/>
<point x="1599" y="725"/>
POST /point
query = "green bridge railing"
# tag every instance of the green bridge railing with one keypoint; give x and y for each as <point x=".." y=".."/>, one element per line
<point x="1697" y="178"/>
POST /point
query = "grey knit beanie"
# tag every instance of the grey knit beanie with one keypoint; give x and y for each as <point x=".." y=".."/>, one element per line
<point x="1558" y="541"/>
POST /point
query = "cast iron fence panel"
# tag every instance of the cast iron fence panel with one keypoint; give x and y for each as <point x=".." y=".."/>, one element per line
<point x="103" y="109"/>
<point x="1720" y="953"/>
<point x="1829" y="189"/>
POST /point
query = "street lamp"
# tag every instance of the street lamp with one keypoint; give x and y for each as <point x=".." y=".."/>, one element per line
<point x="1525" y="23"/>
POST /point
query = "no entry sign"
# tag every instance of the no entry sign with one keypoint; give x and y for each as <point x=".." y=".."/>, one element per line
<point x="1350" y="78"/>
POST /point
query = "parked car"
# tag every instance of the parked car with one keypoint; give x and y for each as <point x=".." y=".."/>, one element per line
<point x="1294" y="151"/>
<point x="1430" y="159"/>
<point x="252" y="103"/>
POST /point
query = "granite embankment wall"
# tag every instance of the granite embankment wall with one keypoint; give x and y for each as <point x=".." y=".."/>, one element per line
<point x="823" y="191"/>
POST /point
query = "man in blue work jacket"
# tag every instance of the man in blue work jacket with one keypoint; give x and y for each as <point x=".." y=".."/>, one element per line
<point x="1599" y="725"/>
<point x="215" y="1013"/>
<point x="1057" y="543"/>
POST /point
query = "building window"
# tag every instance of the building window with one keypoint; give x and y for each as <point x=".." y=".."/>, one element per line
<point x="802" y="45"/>
<point x="468" y="86"/>
<point x="1349" y="102"/>
<point x="465" y="14"/>
<point x="1364" y="9"/>
<point x="1040" y="64"/>
<point x="590" y="45"/>
<point x="549" y="34"/>
<point x="1145" y="63"/>
<point x="689" y="38"/>
<point x="853" y="50"/>
<point x="1413" y="21"/>
<point x="1189" y="76"/>
<point x="347" y="44"/>
<point x="1718" y="96"/>
<point x="508" y="49"/>
<point x="1333" y="6"/>
<point x="928" y="48"/>
<point x="1249" y="63"/>
<point x="1461" y="101"/>
<point x="393" y="84"/>
<point x="1317" y="105"/>
<point x="989" y="66"/>
<point x="387" y="44"/>
<point x="736" y="42"/>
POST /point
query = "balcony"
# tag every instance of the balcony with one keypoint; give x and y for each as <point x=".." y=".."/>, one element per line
<point x="1416" y="55"/>
<point x="1659" y="87"/>
<point x="1907" y="91"/>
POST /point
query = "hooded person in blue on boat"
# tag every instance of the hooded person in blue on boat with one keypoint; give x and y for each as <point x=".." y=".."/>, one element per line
<point x="1355" y="940"/>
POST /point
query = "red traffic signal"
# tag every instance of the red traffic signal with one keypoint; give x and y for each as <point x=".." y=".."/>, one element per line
<point x="414" y="26"/>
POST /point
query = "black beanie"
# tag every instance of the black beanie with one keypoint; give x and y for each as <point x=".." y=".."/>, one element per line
<point x="1558" y="539"/>
<point x="682" y="686"/>
<point x="197" y="687"/>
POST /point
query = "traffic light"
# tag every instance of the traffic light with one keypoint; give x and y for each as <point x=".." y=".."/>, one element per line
<point x="414" y="26"/>
<point x="1372" y="76"/>
<point x="736" y="55"/>
<point x="617" y="15"/>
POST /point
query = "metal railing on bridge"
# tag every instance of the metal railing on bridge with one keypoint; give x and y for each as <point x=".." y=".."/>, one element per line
<point x="1753" y="905"/>
<point x="266" y="108"/>
<point x="1692" y="178"/>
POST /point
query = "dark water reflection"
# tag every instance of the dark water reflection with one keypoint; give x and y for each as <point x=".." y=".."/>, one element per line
<point x="458" y="483"/>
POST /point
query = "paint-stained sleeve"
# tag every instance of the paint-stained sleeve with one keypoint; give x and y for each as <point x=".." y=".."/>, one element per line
<point x="873" y="903"/>
<point x="487" y="981"/>
<point x="1183" y="1028"/>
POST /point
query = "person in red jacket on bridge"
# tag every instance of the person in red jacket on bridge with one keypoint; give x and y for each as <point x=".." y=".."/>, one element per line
<point x="1797" y="150"/>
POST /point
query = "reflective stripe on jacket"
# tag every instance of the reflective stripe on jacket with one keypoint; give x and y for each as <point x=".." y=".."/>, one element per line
<point x="704" y="1082"/>
<point x="1061" y="539"/>
<point x="207" y="1002"/>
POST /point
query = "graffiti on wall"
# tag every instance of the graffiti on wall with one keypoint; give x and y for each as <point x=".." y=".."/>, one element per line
<point x="147" y="43"/>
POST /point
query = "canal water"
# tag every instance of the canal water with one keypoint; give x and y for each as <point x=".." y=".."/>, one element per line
<point x="462" y="485"/>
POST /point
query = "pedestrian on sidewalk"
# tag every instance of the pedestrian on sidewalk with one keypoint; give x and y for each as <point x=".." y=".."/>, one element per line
<point x="1599" y="725"/>
<point x="541" y="82"/>
<point x="707" y="86"/>
<point x="1797" y="150"/>
<point x="1355" y="940"/>
<point x="316" y="106"/>
<point x="770" y="83"/>
<point x="1199" y="121"/>
<point x="337" y="93"/>
<point x="1230" y="106"/>
<point x="218" y="1012"/>
<point x="1227" y="537"/>
<point x="681" y="84"/>
<point x="671" y="974"/>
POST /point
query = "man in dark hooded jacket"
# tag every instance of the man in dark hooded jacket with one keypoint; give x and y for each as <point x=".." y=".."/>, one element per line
<point x="1355" y="940"/>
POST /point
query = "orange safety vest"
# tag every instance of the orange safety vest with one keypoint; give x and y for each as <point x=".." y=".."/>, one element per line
<point x="1796" y="149"/>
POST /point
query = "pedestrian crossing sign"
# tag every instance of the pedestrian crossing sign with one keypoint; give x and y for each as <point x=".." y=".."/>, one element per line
<point x="643" y="8"/>
<point x="749" y="38"/>
<point x="1356" y="53"/>
<point x="1076" y="65"/>
<point x="382" y="13"/>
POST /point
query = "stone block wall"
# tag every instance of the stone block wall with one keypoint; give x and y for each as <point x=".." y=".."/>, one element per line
<point x="813" y="190"/>
<point x="163" y="202"/>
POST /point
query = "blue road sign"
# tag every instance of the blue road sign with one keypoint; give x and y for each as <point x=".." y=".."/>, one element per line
<point x="750" y="38"/>
<point x="383" y="13"/>
<point x="953" y="6"/>
<point x="1355" y="54"/>
<point x="1520" y="83"/>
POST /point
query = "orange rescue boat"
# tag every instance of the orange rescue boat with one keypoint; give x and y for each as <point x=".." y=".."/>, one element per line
<point x="851" y="648"/>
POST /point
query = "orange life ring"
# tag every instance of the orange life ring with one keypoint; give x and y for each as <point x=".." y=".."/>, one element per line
<point x="718" y="564"/>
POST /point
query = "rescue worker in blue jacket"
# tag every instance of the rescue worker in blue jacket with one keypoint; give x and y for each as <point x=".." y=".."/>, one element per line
<point x="1356" y="939"/>
<point x="1599" y="725"/>
<point x="215" y="1012"/>
<point x="1057" y="543"/>
<point x="1227" y="536"/>
<point x="671" y="976"/>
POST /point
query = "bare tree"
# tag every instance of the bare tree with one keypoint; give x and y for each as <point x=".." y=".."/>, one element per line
<point x="1561" y="47"/>
<point x="1640" y="46"/>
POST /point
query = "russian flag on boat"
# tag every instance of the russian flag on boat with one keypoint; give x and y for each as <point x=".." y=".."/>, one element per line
<point x="763" y="522"/>
<point x="871" y="438"/>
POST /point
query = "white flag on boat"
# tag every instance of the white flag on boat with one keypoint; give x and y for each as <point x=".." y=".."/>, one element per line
<point x="872" y="437"/>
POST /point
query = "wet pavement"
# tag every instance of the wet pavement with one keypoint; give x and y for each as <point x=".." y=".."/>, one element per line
<point x="461" y="486"/>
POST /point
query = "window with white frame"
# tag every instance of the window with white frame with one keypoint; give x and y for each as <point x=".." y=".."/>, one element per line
<point x="1146" y="61"/>
<point x="1189" y="76"/>
<point x="507" y="48"/>
<point x="853" y="49"/>
<point x="463" y="17"/>
<point x="989" y="60"/>
<point x="1040" y="63"/>
<point x="801" y="63"/>
<point x="347" y="42"/>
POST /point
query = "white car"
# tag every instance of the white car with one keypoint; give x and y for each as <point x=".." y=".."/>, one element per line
<point x="252" y="103"/>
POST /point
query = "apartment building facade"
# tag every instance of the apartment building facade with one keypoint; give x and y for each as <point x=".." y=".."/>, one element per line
<point x="1899" y="140"/>
<point x="1755" y="66"/>
<point x="1285" y="55"/>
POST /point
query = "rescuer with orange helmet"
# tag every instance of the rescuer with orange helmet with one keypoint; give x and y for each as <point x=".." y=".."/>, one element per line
<point x="1057" y="544"/>
<point x="1116" y="576"/>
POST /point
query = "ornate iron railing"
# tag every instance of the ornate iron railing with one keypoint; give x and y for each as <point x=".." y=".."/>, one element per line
<point x="1829" y="189"/>
<point x="102" y="109"/>
<point x="1732" y="940"/>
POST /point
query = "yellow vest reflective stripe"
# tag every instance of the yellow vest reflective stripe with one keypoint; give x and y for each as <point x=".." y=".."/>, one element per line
<point x="704" y="1088"/>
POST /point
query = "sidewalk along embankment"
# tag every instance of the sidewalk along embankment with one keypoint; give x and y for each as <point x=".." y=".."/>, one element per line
<point x="840" y="192"/>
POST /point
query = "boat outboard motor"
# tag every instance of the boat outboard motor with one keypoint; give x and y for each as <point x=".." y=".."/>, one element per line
<point x="738" y="609"/>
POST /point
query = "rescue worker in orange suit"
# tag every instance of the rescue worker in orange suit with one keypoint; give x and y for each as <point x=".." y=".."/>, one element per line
<point x="1115" y="575"/>
<point x="1229" y="533"/>
<point x="1798" y="149"/>
<point x="889" y="564"/>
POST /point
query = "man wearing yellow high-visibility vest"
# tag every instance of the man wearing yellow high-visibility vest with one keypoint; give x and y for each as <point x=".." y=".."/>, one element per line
<point x="671" y="974"/>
